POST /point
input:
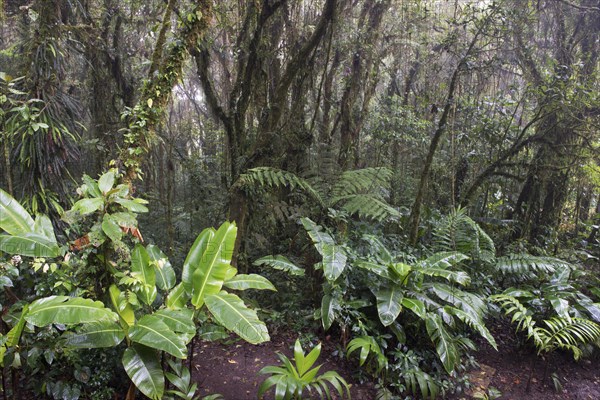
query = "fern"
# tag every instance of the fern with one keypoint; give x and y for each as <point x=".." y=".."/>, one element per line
<point x="264" y="177"/>
<point x="458" y="232"/>
<point x="359" y="192"/>
<point x="366" y="206"/>
<point x="366" y="180"/>
<point x="568" y="333"/>
<point x="528" y="265"/>
<point x="565" y="332"/>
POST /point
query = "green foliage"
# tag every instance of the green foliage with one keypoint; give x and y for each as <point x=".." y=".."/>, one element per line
<point x="359" y="192"/>
<point x="565" y="332"/>
<point x="290" y="380"/>
<point x="458" y="232"/>
<point x="368" y="346"/>
<point x="24" y="235"/>
<point x="137" y="277"/>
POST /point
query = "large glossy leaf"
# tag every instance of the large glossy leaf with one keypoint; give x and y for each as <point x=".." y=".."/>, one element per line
<point x="68" y="311"/>
<point x="194" y="257"/>
<point x="416" y="306"/>
<point x="43" y="226"/>
<point x="179" y="321"/>
<point x="251" y="281"/>
<point x="88" y="206"/>
<point x="231" y="312"/>
<point x="122" y="307"/>
<point x="178" y="297"/>
<point x="389" y="304"/>
<point x="106" y="181"/>
<point x="281" y="263"/>
<point x="140" y="264"/>
<point x="143" y="367"/>
<point x="444" y="345"/>
<point x="444" y="259"/>
<point x="214" y="266"/>
<point x="375" y="268"/>
<point x="29" y="244"/>
<point x="95" y="335"/>
<point x="334" y="260"/>
<point x="135" y="206"/>
<point x="14" y="335"/>
<point x="152" y="331"/>
<point x="334" y="257"/>
<point x="475" y="324"/>
<point x="328" y="306"/>
<point x="460" y="277"/>
<point x="14" y="220"/>
<point x="165" y="275"/>
<point x="111" y="228"/>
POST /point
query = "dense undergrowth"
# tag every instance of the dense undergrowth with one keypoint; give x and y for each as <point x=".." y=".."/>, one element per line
<point x="97" y="299"/>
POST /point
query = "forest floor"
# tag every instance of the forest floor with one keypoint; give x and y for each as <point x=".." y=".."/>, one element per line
<point x="232" y="370"/>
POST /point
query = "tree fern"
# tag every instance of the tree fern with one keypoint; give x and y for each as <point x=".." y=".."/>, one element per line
<point x="458" y="232"/>
<point x="267" y="177"/>
<point x="359" y="192"/>
<point x="366" y="180"/>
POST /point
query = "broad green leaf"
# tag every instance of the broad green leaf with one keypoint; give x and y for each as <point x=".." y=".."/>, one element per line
<point x="468" y="302"/>
<point x="143" y="367"/>
<point x="281" y="263"/>
<point x="178" y="297"/>
<point x="316" y="232"/>
<point x="251" y="281"/>
<point x="106" y="181"/>
<point x="43" y="226"/>
<point x="95" y="335"/>
<point x="401" y="270"/>
<point x="304" y="363"/>
<point x="179" y="321"/>
<point x="444" y="259"/>
<point x="194" y="257"/>
<point x="5" y="281"/>
<point x="14" y="335"/>
<point x="124" y="309"/>
<point x="111" y="228"/>
<point x="474" y="323"/>
<point x="165" y="275"/>
<point x="460" y="277"/>
<point x="68" y="311"/>
<point x="416" y="306"/>
<point x="334" y="260"/>
<point x="151" y="331"/>
<point x="140" y="263"/>
<point x="375" y="268"/>
<point x="231" y="312"/>
<point x="88" y="206"/>
<point x="389" y="304"/>
<point x="29" y="244"/>
<point x="91" y="186"/>
<point x="14" y="220"/>
<point x="444" y="345"/>
<point x="328" y="307"/>
<point x="133" y="206"/>
<point x="208" y="277"/>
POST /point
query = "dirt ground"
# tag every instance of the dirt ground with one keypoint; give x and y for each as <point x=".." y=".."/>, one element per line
<point x="232" y="370"/>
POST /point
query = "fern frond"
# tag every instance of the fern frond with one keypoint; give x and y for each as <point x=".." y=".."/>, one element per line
<point x="360" y="181"/>
<point x="526" y="264"/>
<point x="568" y="333"/>
<point x="458" y="232"/>
<point x="366" y="206"/>
<point x="264" y="177"/>
<point x="520" y="315"/>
